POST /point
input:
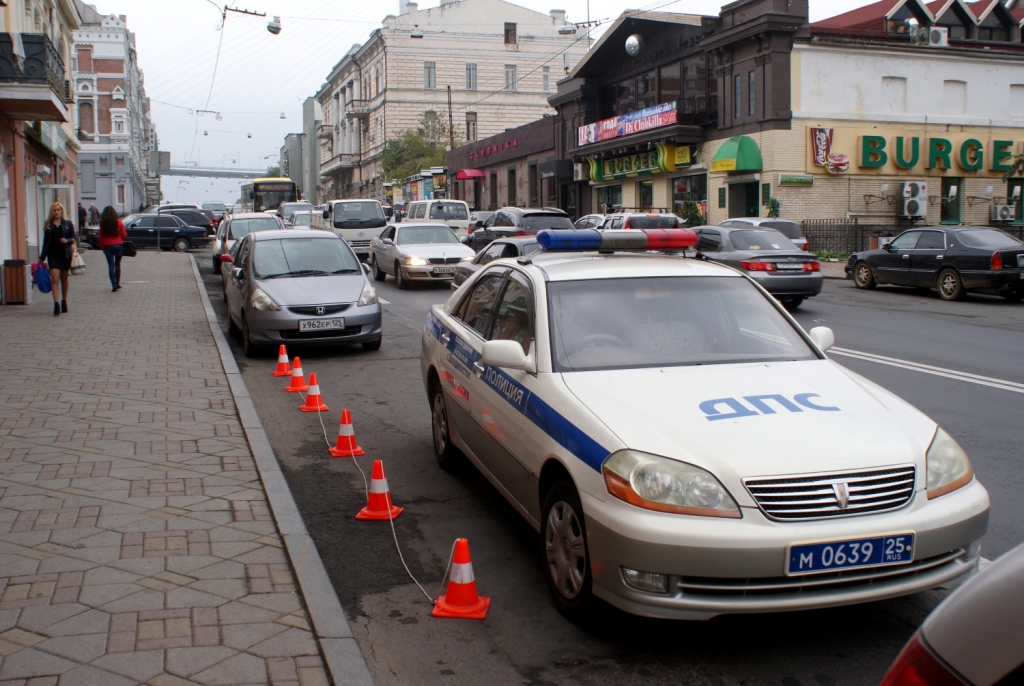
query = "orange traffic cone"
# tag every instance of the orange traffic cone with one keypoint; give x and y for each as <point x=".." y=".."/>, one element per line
<point x="346" y="445"/>
<point x="461" y="599"/>
<point x="378" y="502"/>
<point x="298" y="384"/>
<point x="283" y="368"/>
<point x="313" y="401"/>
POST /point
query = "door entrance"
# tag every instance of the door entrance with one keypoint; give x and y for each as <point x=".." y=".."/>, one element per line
<point x="743" y="199"/>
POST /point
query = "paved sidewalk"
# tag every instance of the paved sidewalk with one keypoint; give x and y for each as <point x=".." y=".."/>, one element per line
<point x="833" y="270"/>
<point x="136" y="540"/>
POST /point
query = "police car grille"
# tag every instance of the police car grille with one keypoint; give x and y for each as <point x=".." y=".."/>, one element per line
<point x="444" y="260"/>
<point x="812" y="496"/>
<point x="328" y="309"/>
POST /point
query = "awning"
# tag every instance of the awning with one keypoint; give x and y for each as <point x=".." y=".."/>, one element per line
<point x="470" y="174"/>
<point x="738" y="154"/>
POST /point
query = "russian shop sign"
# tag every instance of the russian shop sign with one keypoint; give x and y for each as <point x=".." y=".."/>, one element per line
<point x="663" y="158"/>
<point x="627" y="124"/>
<point x="876" y="151"/>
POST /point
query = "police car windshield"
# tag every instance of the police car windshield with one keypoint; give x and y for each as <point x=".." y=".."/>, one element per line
<point x="667" y="322"/>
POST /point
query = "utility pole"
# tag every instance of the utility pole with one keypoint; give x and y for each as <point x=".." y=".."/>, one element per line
<point x="451" y="126"/>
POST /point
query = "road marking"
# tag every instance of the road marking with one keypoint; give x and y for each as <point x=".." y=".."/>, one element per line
<point x="1011" y="386"/>
<point x="382" y="301"/>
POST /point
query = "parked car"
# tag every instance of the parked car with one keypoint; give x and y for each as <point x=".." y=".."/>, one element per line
<point x="300" y="219"/>
<point x="503" y="247"/>
<point x="153" y="209"/>
<point x="218" y="209"/>
<point x="765" y="255"/>
<point x="300" y="286"/>
<point x="950" y="259"/>
<point x="590" y="221"/>
<point x="286" y="209"/>
<point x="640" y="220"/>
<point x="237" y="226"/>
<point x="789" y="229"/>
<point x="194" y="217"/>
<point x="517" y="221"/>
<point x="236" y="208"/>
<point x="975" y="637"/>
<point x="417" y="252"/>
<point x="660" y="421"/>
<point x="164" y="231"/>
<point x="452" y="213"/>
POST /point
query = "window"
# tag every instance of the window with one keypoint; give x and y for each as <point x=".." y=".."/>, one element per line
<point x="471" y="76"/>
<point x="514" y="321"/>
<point x="533" y="182"/>
<point x="512" y="186"/>
<point x="85" y="117"/>
<point x="906" y="241"/>
<point x="1017" y="202"/>
<point x="1017" y="100"/>
<point x="669" y="89"/>
<point x="932" y="240"/>
<point x="510" y="33"/>
<point x="646" y="195"/>
<point x="709" y="241"/>
<point x="491" y="253"/>
<point x="430" y="125"/>
<point x="737" y="95"/>
<point x="647" y="90"/>
<point x="545" y="77"/>
<point x="751" y="93"/>
<point x="470" y="126"/>
<point x="510" y="77"/>
<point x="625" y="97"/>
<point x="429" y="75"/>
<point x="492" y="190"/>
<point x="120" y="195"/>
<point x="690" y="189"/>
<point x="608" y="197"/>
<point x="951" y="205"/>
<point x="475" y="311"/>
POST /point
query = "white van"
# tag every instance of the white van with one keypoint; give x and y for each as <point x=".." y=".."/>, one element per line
<point x="454" y="213"/>
<point x="356" y="221"/>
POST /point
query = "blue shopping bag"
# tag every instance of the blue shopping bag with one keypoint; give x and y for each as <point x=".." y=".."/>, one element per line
<point x="41" y="277"/>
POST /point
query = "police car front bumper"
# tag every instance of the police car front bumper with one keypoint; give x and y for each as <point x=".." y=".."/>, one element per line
<point x="723" y="566"/>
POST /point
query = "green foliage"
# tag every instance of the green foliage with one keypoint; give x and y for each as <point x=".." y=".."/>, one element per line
<point x="691" y="214"/>
<point x="831" y="255"/>
<point x="274" y="171"/>
<point x="1016" y="166"/>
<point x="417" y="149"/>
<point x="774" y="207"/>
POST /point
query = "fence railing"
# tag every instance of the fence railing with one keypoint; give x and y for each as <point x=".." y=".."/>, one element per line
<point x="845" y="236"/>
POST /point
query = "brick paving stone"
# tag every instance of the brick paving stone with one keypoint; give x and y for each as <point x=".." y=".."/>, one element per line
<point x="136" y="542"/>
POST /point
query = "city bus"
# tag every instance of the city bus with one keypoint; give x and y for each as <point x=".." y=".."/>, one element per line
<point x="267" y="193"/>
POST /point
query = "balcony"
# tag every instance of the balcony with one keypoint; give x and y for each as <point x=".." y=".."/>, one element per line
<point x="337" y="163"/>
<point x="33" y="87"/>
<point x="325" y="131"/>
<point x="357" y="109"/>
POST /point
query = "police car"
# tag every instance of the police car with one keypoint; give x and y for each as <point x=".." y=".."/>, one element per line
<point x="684" y="448"/>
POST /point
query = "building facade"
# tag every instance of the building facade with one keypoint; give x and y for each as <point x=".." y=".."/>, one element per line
<point x="114" y="122"/>
<point x="495" y="62"/>
<point x="38" y="145"/>
<point x="291" y="161"/>
<point x="310" y="183"/>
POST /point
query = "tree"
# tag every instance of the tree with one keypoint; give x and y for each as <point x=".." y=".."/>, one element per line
<point x="417" y="149"/>
<point x="274" y="171"/>
<point x="1016" y="166"/>
<point x="691" y="214"/>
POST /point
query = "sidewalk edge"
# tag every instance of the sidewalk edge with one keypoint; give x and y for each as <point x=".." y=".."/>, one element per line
<point x="344" y="660"/>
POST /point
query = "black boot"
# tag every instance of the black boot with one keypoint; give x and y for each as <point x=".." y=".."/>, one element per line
<point x="63" y="305"/>
<point x="56" y="310"/>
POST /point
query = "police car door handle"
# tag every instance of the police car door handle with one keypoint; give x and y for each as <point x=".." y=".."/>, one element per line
<point x="445" y="338"/>
<point x="479" y="368"/>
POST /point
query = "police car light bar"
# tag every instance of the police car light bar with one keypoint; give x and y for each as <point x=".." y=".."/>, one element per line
<point x="564" y="240"/>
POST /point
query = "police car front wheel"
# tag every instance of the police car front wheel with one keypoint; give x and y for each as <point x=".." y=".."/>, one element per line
<point x="447" y="455"/>
<point x="566" y="555"/>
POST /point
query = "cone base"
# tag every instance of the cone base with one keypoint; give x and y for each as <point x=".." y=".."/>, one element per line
<point x="286" y="372"/>
<point x="300" y="389"/>
<point x="367" y="514"/>
<point x="358" y="452"/>
<point x="315" y="408"/>
<point x="475" y="611"/>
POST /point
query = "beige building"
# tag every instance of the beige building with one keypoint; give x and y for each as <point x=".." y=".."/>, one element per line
<point x="501" y="62"/>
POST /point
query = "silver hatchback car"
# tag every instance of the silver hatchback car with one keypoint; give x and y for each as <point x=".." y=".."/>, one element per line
<point x="300" y="286"/>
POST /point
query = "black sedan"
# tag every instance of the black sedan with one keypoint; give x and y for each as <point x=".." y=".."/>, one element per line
<point x="951" y="259"/>
<point x="504" y="247"/>
<point x="517" y="221"/>
<point x="164" y="231"/>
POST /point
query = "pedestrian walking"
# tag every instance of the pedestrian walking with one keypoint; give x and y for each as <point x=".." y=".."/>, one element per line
<point x="82" y="216"/>
<point x="112" y="237"/>
<point x="58" y="245"/>
<point x="94" y="215"/>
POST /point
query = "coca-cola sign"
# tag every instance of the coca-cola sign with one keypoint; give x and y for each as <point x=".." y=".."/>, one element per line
<point x="821" y="146"/>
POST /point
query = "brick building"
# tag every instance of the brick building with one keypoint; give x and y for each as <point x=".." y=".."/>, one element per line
<point x="113" y="113"/>
<point x="500" y="60"/>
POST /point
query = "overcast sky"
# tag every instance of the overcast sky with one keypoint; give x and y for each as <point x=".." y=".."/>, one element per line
<point x="260" y="76"/>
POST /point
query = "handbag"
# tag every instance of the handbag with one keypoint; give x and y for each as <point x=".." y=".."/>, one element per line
<point x="77" y="264"/>
<point x="129" y="249"/>
<point x="41" y="277"/>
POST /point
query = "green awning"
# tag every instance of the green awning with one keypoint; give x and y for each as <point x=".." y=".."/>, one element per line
<point x="738" y="154"/>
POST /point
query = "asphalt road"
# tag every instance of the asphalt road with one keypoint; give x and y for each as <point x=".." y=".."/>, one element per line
<point x="524" y="640"/>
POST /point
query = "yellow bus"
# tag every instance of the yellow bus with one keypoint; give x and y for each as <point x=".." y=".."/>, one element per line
<point x="267" y="193"/>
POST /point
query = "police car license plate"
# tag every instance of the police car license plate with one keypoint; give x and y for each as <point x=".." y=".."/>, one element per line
<point x="444" y="270"/>
<point x="815" y="558"/>
<point x="321" y="324"/>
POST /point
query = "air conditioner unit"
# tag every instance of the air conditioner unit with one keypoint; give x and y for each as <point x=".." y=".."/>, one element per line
<point x="1003" y="213"/>
<point x="938" y="37"/>
<point x="913" y="199"/>
<point x="580" y="172"/>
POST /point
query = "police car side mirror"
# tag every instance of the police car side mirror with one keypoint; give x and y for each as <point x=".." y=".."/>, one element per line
<point x="507" y="354"/>
<point x="822" y="337"/>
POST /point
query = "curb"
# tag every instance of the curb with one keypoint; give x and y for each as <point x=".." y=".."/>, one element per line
<point x="341" y="654"/>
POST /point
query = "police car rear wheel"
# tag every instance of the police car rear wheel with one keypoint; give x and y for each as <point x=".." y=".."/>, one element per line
<point x="447" y="455"/>
<point x="566" y="555"/>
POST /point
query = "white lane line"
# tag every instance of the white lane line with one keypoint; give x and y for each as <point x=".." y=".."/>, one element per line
<point x="382" y="301"/>
<point x="1011" y="386"/>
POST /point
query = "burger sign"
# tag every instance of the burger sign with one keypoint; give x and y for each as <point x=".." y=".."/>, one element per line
<point x="821" y="151"/>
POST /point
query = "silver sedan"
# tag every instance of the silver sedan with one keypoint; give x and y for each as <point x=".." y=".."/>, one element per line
<point x="417" y="252"/>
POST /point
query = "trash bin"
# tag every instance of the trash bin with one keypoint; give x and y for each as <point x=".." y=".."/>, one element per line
<point x="14" y="282"/>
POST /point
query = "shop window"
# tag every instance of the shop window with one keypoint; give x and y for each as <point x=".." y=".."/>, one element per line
<point x="950" y="200"/>
<point x="511" y="186"/>
<point x="647" y="90"/>
<point x="646" y="196"/>
<point x="737" y="96"/>
<point x="690" y="193"/>
<point x="1018" y="217"/>
<point x="668" y="83"/>
<point x="533" y="183"/>
<point x="608" y="198"/>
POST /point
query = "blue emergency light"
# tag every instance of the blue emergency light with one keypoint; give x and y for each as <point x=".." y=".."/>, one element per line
<point x="566" y="240"/>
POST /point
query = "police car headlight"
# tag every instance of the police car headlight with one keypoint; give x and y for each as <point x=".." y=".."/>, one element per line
<point x="946" y="465"/>
<point x="415" y="262"/>
<point x="664" y="485"/>
<point x="368" y="296"/>
<point x="261" y="301"/>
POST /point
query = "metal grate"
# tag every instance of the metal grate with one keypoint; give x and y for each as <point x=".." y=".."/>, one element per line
<point x="294" y="335"/>
<point x="445" y="260"/>
<point x="328" y="309"/>
<point x="833" y="494"/>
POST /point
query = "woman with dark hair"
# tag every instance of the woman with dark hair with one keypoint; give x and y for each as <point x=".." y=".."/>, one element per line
<point x="58" y="245"/>
<point x="112" y="236"/>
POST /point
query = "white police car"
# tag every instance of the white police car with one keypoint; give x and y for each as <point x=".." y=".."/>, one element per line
<point x="683" y="446"/>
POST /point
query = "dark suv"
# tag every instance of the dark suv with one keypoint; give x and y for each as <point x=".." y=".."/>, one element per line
<point x="516" y="221"/>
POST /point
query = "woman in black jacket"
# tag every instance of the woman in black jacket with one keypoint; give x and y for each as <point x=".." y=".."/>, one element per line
<point x="58" y="245"/>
